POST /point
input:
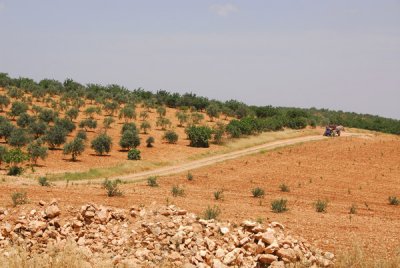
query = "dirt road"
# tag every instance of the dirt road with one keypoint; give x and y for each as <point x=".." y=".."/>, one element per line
<point x="208" y="161"/>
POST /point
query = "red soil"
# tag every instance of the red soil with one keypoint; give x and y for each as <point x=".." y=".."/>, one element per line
<point x="344" y="171"/>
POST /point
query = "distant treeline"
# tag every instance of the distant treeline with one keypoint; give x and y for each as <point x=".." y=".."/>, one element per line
<point x="250" y="119"/>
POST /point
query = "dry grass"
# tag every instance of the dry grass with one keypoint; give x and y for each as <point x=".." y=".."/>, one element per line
<point x="71" y="256"/>
<point x="357" y="257"/>
<point x="118" y="170"/>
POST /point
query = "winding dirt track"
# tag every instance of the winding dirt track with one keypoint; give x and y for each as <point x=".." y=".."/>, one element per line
<point x="214" y="159"/>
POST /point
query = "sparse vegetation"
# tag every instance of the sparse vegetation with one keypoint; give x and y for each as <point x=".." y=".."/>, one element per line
<point x="177" y="191"/>
<point x="279" y="205"/>
<point x="43" y="181"/>
<point x="393" y="200"/>
<point x="152" y="181"/>
<point x="112" y="187"/>
<point x="284" y="188"/>
<point x="189" y="176"/>
<point x="219" y="195"/>
<point x="321" y="205"/>
<point x="353" y="209"/>
<point x="211" y="213"/>
<point x="19" y="198"/>
<point x="258" y="192"/>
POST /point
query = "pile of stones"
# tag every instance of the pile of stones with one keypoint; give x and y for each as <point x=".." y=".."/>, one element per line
<point x="156" y="235"/>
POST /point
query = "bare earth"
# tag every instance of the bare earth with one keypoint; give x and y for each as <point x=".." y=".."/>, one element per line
<point x="363" y="171"/>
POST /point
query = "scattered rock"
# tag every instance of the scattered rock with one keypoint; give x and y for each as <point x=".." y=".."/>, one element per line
<point x="52" y="211"/>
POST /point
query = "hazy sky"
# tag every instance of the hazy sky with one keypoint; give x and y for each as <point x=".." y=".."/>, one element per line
<point x="338" y="54"/>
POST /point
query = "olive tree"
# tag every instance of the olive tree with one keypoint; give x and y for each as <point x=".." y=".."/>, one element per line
<point x="171" y="136"/>
<point x="72" y="113"/>
<point x="107" y="121"/>
<point x="48" y="115"/>
<point x="24" y="120"/>
<point x="182" y="117"/>
<point x="128" y="126"/>
<point x="37" y="128"/>
<point x="88" y="124"/>
<point x="102" y="144"/>
<point x="129" y="139"/>
<point x="75" y="148"/>
<point x="163" y="122"/>
<point x="128" y="113"/>
<point x="4" y="102"/>
<point x="161" y="111"/>
<point x="199" y="136"/>
<point x="55" y="136"/>
<point x="6" y="128"/>
<point x="36" y="150"/>
<point x="17" y="108"/>
<point x="145" y="125"/>
<point x="110" y="107"/>
<point x="19" y="137"/>
<point x="213" y="111"/>
<point x="144" y="115"/>
<point x="3" y="153"/>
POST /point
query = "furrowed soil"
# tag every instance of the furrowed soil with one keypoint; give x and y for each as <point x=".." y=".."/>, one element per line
<point x="347" y="171"/>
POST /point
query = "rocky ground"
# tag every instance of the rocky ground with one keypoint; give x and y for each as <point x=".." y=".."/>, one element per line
<point x="155" y="235"/>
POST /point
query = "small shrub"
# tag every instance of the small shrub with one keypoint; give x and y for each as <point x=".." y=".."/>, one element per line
<point x="112" y="188"/>
<point x="393" y="200"/>
<point x="279" y="205"/>
<point x="177" y="191"/>
<point x="258" y="192"/>
<point x="353" y="209"/>
<point x="320" y="205"/>
<point x="150" y="141"/>
<point x="152" y="181"/>
<point x="219" y="195"/>
<point x="15" y="171"/>
<point x="134" y="154"/>
<point x="19" y="198"/>
<point x="284" y="188"/>
<point x="211" y="213"/>
<point x="260" y="220"/>
<point x="189" y="176"/>
<point x="171" y="136"/>
<point x="43" y="181"/>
